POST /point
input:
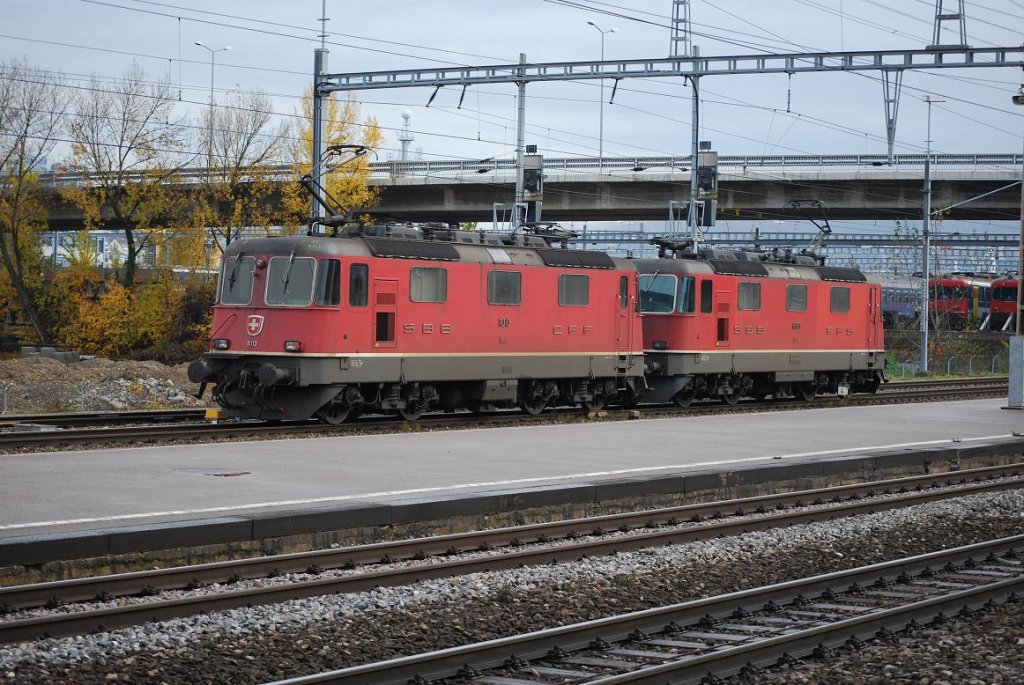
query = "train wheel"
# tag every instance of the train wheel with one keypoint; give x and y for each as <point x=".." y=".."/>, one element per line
<point x="412" y="411"/>
<point x="334" y="414"/>
<point x="533" y="405"/>
<point x="732" y="397"/>
<point x="685" y="396"/>
<point x="806" y="391"/>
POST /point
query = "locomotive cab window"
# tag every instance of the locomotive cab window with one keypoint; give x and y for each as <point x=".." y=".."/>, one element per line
<point x="358" y="285"/>
<point x="236" y="280"/>
<point x="706" y="295"/>
<point x="573" y="290"/>
<point x="657" y="293"/>
<point x="623" y="292"/>
<point x="750" y="297"/>
<point x="686" y="295"/>
<point x="428" y="284"/>
<point x="328" y="283"/>
<point x="290" y="281"/>
<point x="796" y="298"/>
<point x="840" y="300"/>
<point x="504" y="287"/>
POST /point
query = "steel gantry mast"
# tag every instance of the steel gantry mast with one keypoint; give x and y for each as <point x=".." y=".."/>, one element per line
<point x="693" y="68"/>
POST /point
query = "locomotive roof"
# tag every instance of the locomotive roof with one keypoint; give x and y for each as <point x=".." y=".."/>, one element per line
<point x="427" y="250"/>
<point x="757" y="269"/>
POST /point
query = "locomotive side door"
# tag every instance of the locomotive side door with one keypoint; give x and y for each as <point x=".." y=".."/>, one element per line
<point x="723" y="315"/>
<point x="385" y="311"/>
<point x="873" y="307"/>
<point x="623" y="316"/>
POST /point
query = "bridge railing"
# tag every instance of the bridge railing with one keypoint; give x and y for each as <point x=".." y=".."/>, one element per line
<point x="466" y="170"/>
<point x="1010" y="162"/>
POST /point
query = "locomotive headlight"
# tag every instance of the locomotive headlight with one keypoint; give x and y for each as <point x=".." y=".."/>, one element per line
<point x="292" y="346"/>
<point x="221" y="343"/>
<point x="661" y="344"/>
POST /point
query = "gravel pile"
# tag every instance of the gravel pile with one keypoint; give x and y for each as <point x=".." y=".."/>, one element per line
<point x="44" y="385"/>
<point x="305" y="636"/>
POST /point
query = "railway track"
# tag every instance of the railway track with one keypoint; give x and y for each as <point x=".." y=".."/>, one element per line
<point x="726" y="635"/>
<point x="359" y="568"/>
<point x="915" y="391"/>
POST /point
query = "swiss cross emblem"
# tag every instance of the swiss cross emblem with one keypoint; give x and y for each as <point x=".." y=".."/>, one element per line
<point x="254" y="324"/>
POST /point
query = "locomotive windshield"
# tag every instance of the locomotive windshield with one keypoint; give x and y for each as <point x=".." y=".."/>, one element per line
<point x="948" y="292"/>
<point x="663" y="294"/>
<point x="236" y="280"/>
<point x="1004" y="294"/>
<point x="290" y="281"/>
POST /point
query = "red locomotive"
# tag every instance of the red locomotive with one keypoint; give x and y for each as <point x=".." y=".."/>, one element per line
<point x="960" y="300"/>
<point x="1003" y="305"/>
<point x="396" y="319"/>
<point x="731" y="325"/>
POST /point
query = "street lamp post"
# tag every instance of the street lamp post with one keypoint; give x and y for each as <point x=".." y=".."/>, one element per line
<point x="209" y="142"/>
<point x="926" y="230"/>
<point x="600" y="140"/>
<point x="1016" y="392"/>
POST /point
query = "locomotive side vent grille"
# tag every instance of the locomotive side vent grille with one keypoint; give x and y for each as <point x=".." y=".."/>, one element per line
<point x="737" y="268"/>
<point x="412" y="249"/>
<point x="578" y="258"/>
<point x="838" y="273"/>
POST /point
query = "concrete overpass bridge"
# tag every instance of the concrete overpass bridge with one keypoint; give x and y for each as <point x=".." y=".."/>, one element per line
<point x="866" y="187"/>
<point x="750" y="187"/>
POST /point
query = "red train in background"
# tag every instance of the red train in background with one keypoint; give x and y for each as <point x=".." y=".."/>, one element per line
<point x="960" y="300"/>
<point x="1003" y="305"/>
<point x="397" y="319"/>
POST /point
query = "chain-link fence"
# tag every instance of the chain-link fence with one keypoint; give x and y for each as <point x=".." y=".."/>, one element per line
<point x="975" y="365"/>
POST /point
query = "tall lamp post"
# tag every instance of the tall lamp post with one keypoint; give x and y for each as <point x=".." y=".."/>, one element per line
<point x="600" y="143"/>
<point x="1016" y="394"/>
<point x="923" y="368"/>
<point x="209" y="142"/>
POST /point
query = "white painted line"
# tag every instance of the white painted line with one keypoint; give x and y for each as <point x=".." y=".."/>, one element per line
<point x="485" y="484"/>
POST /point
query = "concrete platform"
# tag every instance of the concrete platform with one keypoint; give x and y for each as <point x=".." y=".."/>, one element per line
<point x="88" y="504"/>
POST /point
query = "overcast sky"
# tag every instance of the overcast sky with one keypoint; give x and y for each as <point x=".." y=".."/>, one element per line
<point x="272" y="50"/>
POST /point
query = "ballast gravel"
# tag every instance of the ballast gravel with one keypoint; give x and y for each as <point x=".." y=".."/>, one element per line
<point x="264" y="644"/>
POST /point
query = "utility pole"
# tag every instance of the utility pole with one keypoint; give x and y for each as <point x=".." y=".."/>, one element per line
<point x="209" y="140"/>
<point x="319" y="125"/>
<point x="925" y="285"/>
<point x="600" y="135"/>
<point x="520" y="138"/>
<point x="1016" y="395"/>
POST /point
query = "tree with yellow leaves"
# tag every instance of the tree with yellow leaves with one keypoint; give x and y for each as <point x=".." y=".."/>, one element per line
<point x="241" y="189"/>
<point x="349" y="183"/>
<point x="32" y="106"/>
<point x="128" y="150"/>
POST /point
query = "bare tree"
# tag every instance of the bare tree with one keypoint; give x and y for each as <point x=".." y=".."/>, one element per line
<point x="128" y="149"/>
<point x="246" y="147"/>
<point x="32" y="114"/>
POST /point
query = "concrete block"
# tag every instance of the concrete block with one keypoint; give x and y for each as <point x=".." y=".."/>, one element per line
<point x="47" y="351"/>
<point x="29" y="351"/>
<point x="39" y="549"/>
<point x="179" y="534"/>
